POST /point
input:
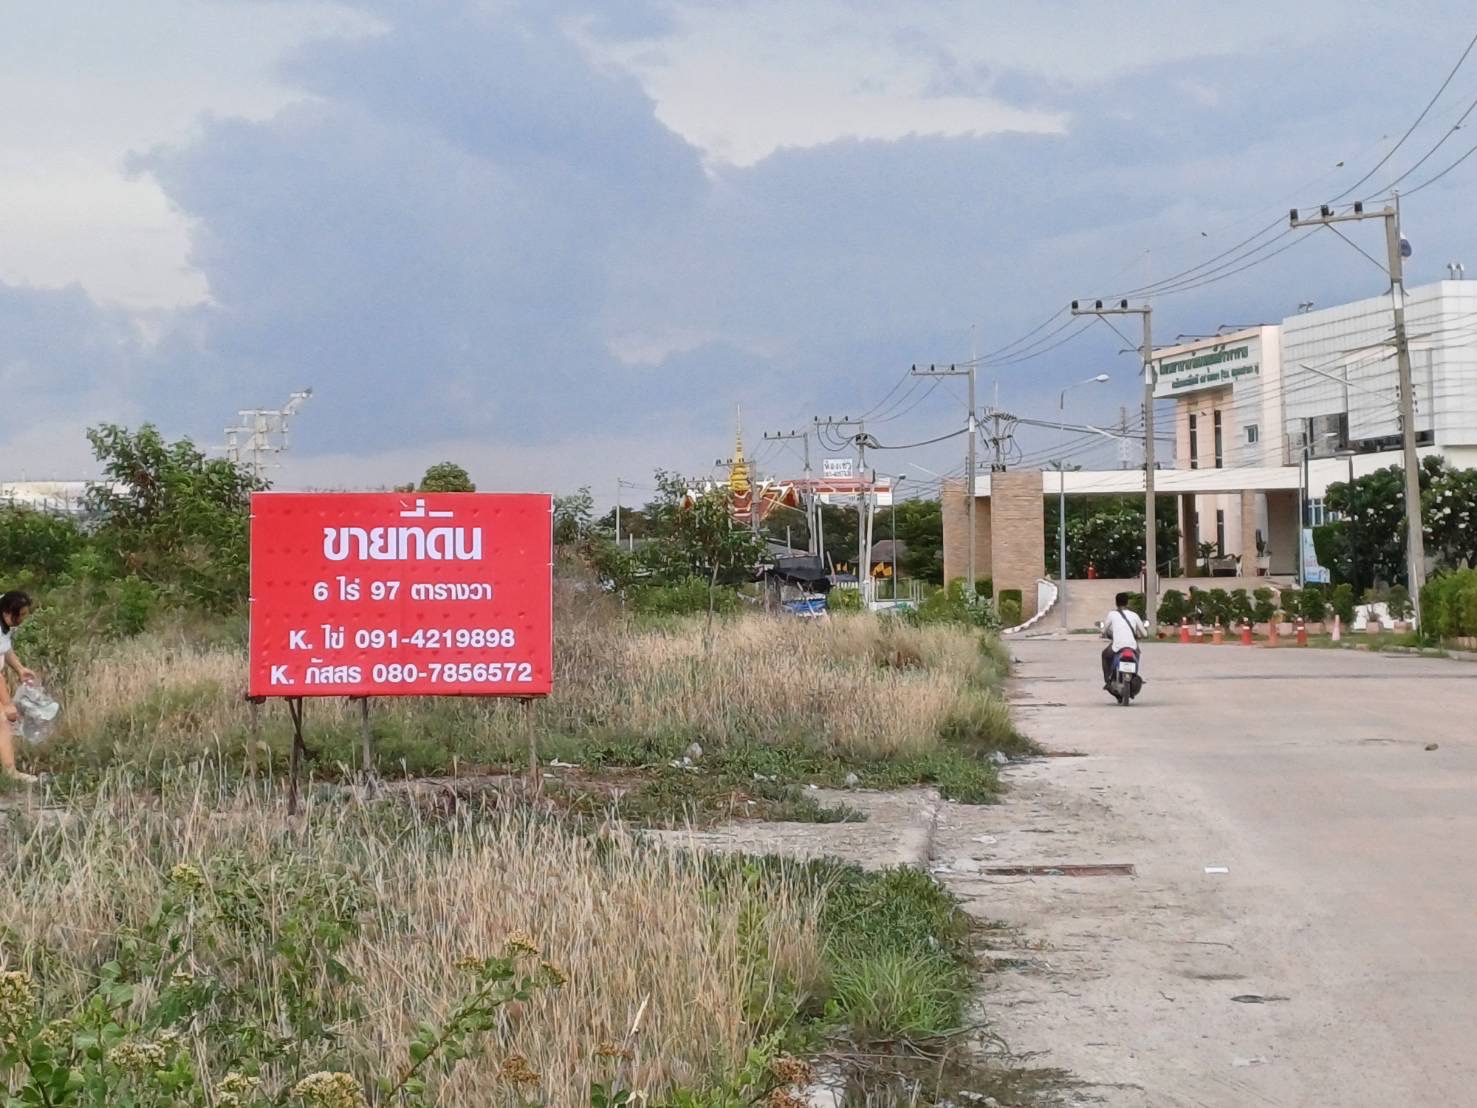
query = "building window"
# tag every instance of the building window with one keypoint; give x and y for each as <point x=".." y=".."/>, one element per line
<point x="1253" y="435"/>
<point x="1316" y="513"/>
<point x="1219" y="457"/>
<point x="1194" y="445"/>
<point x="1220" y="533"/>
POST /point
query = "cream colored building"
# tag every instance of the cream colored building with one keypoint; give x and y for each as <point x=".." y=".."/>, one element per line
<point x="1227" y="394"/>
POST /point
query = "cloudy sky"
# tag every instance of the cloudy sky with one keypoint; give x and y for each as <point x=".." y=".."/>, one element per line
<point x="563" y="240"/>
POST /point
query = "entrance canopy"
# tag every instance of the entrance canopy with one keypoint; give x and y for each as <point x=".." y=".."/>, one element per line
<point x="1169" y="482"/>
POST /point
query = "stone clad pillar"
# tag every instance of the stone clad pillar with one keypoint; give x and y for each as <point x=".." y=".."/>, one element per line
<point x="1018" y="534"/>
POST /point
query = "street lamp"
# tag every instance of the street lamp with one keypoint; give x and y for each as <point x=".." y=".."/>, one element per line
<point x="1061" y="477"/>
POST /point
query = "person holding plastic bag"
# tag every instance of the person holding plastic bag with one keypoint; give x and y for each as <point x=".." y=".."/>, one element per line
<point x="14" y="608"/>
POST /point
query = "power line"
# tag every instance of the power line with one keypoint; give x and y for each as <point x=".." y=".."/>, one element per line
<point x="1411" y="129"/>
<point x="1429" y="181"/>
<point x="1455" y="127"/>
<point x="875" y="445"/>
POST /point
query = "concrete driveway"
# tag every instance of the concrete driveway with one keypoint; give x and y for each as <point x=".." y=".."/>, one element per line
<point x="1347" y="911"/>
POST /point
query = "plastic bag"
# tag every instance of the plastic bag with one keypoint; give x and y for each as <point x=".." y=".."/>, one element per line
<point x="37" y="713"/>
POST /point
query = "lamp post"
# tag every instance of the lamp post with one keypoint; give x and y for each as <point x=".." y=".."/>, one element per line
<point x="1061" y="477"/>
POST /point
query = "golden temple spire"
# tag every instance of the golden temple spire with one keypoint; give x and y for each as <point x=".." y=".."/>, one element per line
<point x="738" y="471"/>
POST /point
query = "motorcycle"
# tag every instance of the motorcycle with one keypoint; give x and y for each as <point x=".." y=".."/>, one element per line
<point x="1125" y="683"/>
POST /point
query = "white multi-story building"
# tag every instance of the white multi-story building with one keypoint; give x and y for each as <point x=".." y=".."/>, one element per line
<point x="1340" y="396"/>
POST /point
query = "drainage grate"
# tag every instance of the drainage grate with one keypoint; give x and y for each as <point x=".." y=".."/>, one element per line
<point x="1114" y="869"/>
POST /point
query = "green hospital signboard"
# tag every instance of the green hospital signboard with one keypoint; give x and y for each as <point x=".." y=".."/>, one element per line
<point x="1207" y="368"/>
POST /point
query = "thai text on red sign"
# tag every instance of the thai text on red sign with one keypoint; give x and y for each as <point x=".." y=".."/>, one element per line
<point x="390" y="594"/>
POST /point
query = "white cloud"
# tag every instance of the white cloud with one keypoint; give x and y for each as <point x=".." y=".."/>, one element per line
<point x="84" y="89"/>
<point x="745" y="80"/>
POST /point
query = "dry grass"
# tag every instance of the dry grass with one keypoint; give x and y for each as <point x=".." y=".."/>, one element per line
<point x="853" y="687"/>
<point x="628" y="926"/>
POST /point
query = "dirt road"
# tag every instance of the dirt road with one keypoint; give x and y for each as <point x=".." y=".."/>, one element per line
<point x="1346" y="912"/>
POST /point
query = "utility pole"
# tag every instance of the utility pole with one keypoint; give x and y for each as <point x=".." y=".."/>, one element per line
<point x="1151" y="545"/>
<point x="265" y="430"/>
<point x="1395" y="246"/>
<point x="860" y="441"/>
<point x="811" y="509"/>
<point x="971" y="465"/>
<point x="999" y="432"/>
<point x="620" y="483"/>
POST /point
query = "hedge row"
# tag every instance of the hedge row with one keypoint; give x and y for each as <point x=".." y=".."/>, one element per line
<point x="1314" y="604"/>
<point x="1449" y="605"/>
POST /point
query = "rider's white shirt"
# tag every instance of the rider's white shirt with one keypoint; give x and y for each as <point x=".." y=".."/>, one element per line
<point x="1126" y="628"/>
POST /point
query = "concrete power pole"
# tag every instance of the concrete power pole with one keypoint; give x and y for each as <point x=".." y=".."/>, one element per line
<point x="812" y="505"/>
<point x="1151" y="545"/>
<point x="1395" y="247"/>
<point x="971" y="463"/>
<point x="861" y="442"/>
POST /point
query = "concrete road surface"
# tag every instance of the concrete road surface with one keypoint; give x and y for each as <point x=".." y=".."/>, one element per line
<point x="1347" y="912"/>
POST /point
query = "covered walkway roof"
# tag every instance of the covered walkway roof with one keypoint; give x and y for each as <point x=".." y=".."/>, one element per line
<point x="1169" y="482"/>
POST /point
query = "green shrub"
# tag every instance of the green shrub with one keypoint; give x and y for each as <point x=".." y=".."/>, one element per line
<point x="1341" y="600"/>
<point x="1217" y="606"/>
<point x="683" y="598"/>
<point x="1241" y="609"/>
<point x="844" y="600"/>
<point x="951" y="605"/>
<point x="1463" y="620"/>
<point x="1449" y="605"/>
<point x="1265" y="606"/>
<point x="985" y="586"/>
<point x="36" y="543"/>
<point x="1314" y="606"/>
<point x="1291" y="603"/>
<point x="1400" y="604"/>
<point x="134" y="605"/>
<point x="1010" y="612"/>
<point x="1173" y="607"/>
<point x="1137" y="603"/>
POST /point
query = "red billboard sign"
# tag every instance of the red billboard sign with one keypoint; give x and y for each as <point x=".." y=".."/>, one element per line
<point x="391" y="594"/>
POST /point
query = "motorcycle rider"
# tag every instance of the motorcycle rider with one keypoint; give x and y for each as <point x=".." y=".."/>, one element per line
<point x="1123" y="627"/>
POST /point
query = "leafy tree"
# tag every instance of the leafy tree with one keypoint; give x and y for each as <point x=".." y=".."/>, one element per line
<point x="573" y="515"/>
<point x="38" y="543"/>
<point x="920" y="526"/>
<point x="446" y="477"/>
<point x="698" y="538"/>
<point x="1334" y="551"/>
<point x="1108" y="533"/>
<point x="1367" y="545"/>
<point x="1449" y="512"/>
<point x="171" y="516"/>
<point x="1373" y="525"/>
<point x="634" y="524"/>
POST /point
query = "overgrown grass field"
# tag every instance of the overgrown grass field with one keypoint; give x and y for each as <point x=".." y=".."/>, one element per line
<point x="217" y="936"/>
<point x="767" y="699"/>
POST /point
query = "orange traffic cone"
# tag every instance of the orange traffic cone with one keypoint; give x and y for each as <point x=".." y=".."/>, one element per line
<point x="1272" y="631"/>
<point x="1199" y="631"/>
<point x="1337" y="629"/>
<point x="1246" y="639"/>
<point x="1218" y="635"/>
<point x="1302" y="633"/>
<point x="1184" y="629"/>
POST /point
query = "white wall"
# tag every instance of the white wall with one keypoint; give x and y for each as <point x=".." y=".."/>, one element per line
<point x="1323" y="472"/>
<point x="1354" y="341"/>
